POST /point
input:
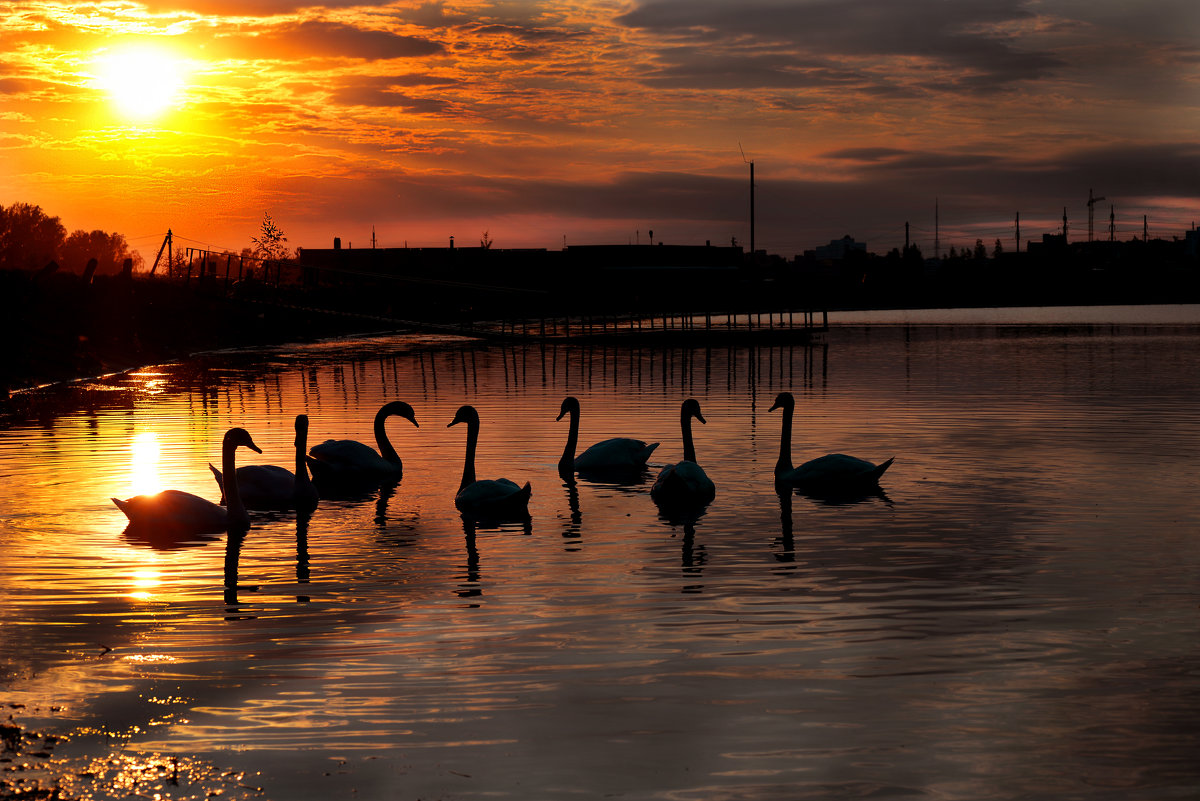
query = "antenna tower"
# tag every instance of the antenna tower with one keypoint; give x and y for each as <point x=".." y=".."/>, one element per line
<point x="751" y="163"/>
<point x="1092" y="201"/>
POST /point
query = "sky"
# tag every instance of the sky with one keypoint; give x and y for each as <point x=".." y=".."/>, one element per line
<point x="576" y="122"/>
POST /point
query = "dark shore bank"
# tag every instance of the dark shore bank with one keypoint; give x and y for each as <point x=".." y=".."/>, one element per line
<point x="60" y="327"/>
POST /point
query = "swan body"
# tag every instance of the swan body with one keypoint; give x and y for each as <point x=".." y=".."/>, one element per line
<point x="268" y="486"/>
<point x="834" y="472"/>
<point x="181" y="512"/>
<point x="685" y="483"/>
<point x="343" y="459"/>
<point x="490" y="498"/>
<point x="611" y="455"/>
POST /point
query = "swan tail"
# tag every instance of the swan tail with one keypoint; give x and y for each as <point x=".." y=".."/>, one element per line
<point x="122" y="505"/>
<point x="881" y="469"/>
<point x="220" y="481"/>
<point x="645" y="454"/>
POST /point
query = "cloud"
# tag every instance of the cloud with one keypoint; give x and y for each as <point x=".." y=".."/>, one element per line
<point x="968" y="39"/>
<point x="322" y="39"/>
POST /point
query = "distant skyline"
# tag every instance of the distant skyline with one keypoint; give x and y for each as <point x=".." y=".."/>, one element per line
<point x="598" y="122"/>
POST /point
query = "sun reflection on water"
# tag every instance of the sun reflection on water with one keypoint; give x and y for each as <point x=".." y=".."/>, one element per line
<point x="144" y="475"/>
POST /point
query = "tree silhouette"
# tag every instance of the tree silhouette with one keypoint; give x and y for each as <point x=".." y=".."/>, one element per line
<point x="268" y="245"/>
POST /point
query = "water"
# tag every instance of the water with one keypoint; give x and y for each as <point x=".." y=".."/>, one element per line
<point x="1016" y="617"/>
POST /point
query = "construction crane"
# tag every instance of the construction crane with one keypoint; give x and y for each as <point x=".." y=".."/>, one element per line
<point x="1092" y="201"/>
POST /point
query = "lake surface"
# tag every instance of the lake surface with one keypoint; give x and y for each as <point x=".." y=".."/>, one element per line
<point x="1016" y="616"/>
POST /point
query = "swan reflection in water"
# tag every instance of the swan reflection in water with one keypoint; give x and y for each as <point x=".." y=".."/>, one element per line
<point x="471" y="586"/>
<point x="573" y="525"/>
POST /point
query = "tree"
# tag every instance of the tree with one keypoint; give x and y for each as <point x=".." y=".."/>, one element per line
<point x="109" y="250"/>
<point x="268" y="245"/>
<point x="980" y="250"/>
<point x="29" y="239"/>
<point x="999" y="249"/>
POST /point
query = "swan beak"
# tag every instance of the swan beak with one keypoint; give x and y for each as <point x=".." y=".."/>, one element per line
<point x="452" y="423"/>
<point x="700" y="417"/>
<point x="560" y="416"/>
<point x="774" y="406"/>
<point x="254" y="447"/>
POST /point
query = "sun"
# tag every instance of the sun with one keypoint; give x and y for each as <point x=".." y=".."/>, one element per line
<point x="142" y="82"/>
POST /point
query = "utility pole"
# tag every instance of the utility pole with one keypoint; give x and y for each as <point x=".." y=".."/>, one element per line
<point x="167" y="245"/>
<point x="751" y="163"/>
<point x="906" y="236"/>
<point x="1112" y="223"/>
<point x="1145" y="237"/>
<point x="1018" y="232"/>
<point x="1064" y="223"/>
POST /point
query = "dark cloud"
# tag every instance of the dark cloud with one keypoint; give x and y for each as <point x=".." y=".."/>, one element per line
<point x="962" y="37"/>
<point x="317" y="39"/>
<point x="866" y="154"/>
<point x="534" y="34"/>
<point x="691" y="66"/>
<point x="387" y="98"/>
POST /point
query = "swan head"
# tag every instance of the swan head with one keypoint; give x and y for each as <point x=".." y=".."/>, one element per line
<point x="399" y="409"/>
<point x="569" y="404"/>
<point x="691" y="408"/>
<point x="240" y="438"/>
<point x="465" y="414"/>
<point x="783" y="400"/>
<point x="301" y="430"/>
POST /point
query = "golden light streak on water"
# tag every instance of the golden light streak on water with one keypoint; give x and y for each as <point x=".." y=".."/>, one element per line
<point x="144" y="476"/>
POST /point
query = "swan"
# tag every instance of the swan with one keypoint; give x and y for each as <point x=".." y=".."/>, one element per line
<point x="267" y="486"/>
<point x="336" y="459"/>
<point x="685" y="483"/>
<point x="834" y="472"/>
<point x="612" y="455"/>
<point x="485" y="498"/>
<point x="183" y="512"/>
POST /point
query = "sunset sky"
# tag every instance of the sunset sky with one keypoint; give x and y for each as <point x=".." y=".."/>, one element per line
<point x="597" y="122"/>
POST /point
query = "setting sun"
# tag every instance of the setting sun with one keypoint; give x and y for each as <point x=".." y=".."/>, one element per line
<point x="142" y="83"/>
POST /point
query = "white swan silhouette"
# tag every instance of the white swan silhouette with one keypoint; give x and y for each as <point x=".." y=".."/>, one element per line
<point x="177" y="512"/>
<point x="268" y="486"/>
<point x="611" y="455"/>
<point x="685" y="483"/>
<point x="496" y="498"/>
<point x="344" y="459"/>
<point x="834" y="472"/>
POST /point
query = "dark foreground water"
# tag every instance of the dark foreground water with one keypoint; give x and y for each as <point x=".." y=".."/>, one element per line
<point x="1017" y="617"/>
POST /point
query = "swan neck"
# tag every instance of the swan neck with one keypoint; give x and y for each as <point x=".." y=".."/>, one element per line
<point x="301" y="462"/>
<point x="785" y="441"/>
<point x="567" y="462"/>
<point x="381" y="439"/>
<point x="235" y="509"/>
<point x="689" y="449"/>
<point x="468" y="476"/>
